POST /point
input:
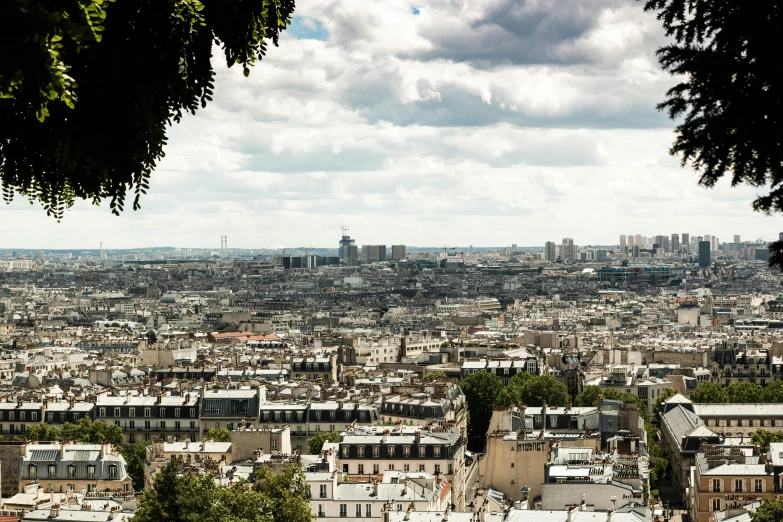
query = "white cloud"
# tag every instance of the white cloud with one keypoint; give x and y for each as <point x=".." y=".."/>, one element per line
<point x="484" y="122"/>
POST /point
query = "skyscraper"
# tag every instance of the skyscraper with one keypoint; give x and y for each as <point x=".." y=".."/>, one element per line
<point x="622" y="241"/>
<point x="704" y="253"/>
<point x="737" y="238"/>
<point x="675" y="244"/>
<point x="631" y="241"/>
<point x="398" y="252"/>
<point x="550" y="252"/>
<point x="568" y="250"/>
<point x="638" y="240"/>
<point x="686" y="241"/>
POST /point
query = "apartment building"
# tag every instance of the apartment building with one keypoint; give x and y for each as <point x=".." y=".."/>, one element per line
<point x="62" y="467"/>
<point x="368" y="451"/>
<point x="143" y="417"/>
<point x="727" y="479"/>
<point x="305" y="420"/>
<point x="229" y="408"/>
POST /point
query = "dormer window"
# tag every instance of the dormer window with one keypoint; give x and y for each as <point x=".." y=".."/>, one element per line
<point x="33" y="469"/>
<point x="52" y="471"/>
<point x="90" y="471"/>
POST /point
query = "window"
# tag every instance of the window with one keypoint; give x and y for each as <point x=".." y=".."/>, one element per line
<point x="177" y="426"/>
<point x="274" y="444"/>
<point x="147" y="425"/>
<point x="21" y="415"/>
<point x="422" y="452"/>
<point x="360" y="451"/>
<point x="716" y="504"/>
<point x="451" y="469"/>
<point x="321" y="512"/>
<point x="361" y="469"/>
<point x="52" y="471"/>
<point x="406" y="467"/>
<point x="346" y="451"/>
<point x="391" y="467"/>
<point x="71" y="471"/>
<point x="421" y="467"/>
<point x="406" y="451"/>
<point x="116" y="412"/>
<point x="212" y="407"/>
<point x="131" y="412"/>
<point x="358" y="511"/>
<point x="239" y="407"/>
<point x="177" y="412"/>
<point x="399" y="507"/>
<point x="161" y="412"/>
<point x="90" y="471"/>
<point x="376" y="469"/>
<point x="390" y="451"/>
<point x="131" y="425"/>
<point x="148" y="412"/>
<point x="317" y="415"/>
<point x="163" y="425"/>
<point x="436" y="451"/>
<point x="192" y="412"/>
<point x="34" y="415"/>
<point x="376" y="451"/>
<point x="33" y="469"/>
<point x="101" y="412"/>
<point x="113" y="471"/>
<point x="437" y="469"/>
<point x="192" y="425"/>
<point x="738" y="485"/>
<point x="322" y="491"/>
<point x="368" y="510"/>
<point x="758" y="486"/>
<point x="343" y="510"/>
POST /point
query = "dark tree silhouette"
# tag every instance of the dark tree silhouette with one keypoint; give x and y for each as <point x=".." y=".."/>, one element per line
<point x="728" y="104"/>
<point x="88" y="88"/>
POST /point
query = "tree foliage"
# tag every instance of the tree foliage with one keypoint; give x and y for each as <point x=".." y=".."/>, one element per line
<point x="533" y="390"/>
<point x="763" y="438"/>
<point x="728" y="103"/>
<point x="219" y="435"/>
<point x="317" y="441"/>
<point x="434" y="376"/>
<point x="285" y="493"/>
<point x="88" y="88"/>
<point x="709" y="393"/>
<point x="481" y="391"/>
<point x="771" y="510"/>
<point x="135" y="455"/>
<point x="86" y="430"/>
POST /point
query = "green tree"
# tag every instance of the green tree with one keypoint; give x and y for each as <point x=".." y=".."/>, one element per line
<point x="727" y="104"/>
<point x="763" y="438"/>
<point x="511" y="394"/>
<point x="589" y="396"/>
<point x="285" y="493"/>
<point x="770" y="511"/>
<point x="135" y="455"/>
<point x="219" y="434"/>
<point x="745" y="392"/>
<point x="316" y="442"/>
<point x="709" y="393"/>
<point x="666" y="394"/>
<point x="542" y="389"/>
<point x="774" y="392"/>
<point x="57" y="142"/>
<point x="481" y="391"/>
<point x="43" y="432"/>
<point x="188" y="498"/>
<point x="434" y="376"/>
<point x="92" y="432"/>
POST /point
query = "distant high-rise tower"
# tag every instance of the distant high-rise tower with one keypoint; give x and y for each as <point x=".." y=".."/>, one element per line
<point x="675" y="243"/>
<point x="348" y="251"/>
<point x="550" y="251"/>
<point x="704" y="253"/>
<point x="622" y="241"/>
<point x="635" y="251"/>
<point x="568" y="249"/>
<point x="686" y="241"/>
<point x="737" y="238"/>
<point x="637" y="240"/>
<point x="780" y="236"/>
<point x="398" y="252"/>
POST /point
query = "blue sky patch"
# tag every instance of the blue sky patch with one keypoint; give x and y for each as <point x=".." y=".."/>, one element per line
<point x="415" y="10"/>
<point x="303" y="28"/>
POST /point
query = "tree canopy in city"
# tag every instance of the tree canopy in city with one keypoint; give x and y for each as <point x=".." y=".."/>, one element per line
<point x="218" y="435"/>
<point x="88" y="88"/>
<point x="86" y="431"/>
<point x="709" y="393"/>
<point x="481" y="391"/>
<point x="727" y="104"/>
<point x="316" y="442"/>
<point x="771" y="510"/>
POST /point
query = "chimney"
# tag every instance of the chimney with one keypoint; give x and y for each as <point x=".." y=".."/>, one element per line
<point x="54" y="512"/>
<point x="375" y="488"/>
<point x="570" y="514"/>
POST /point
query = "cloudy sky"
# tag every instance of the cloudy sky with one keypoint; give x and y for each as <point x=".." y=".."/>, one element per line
<point x="484" y="122"/>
